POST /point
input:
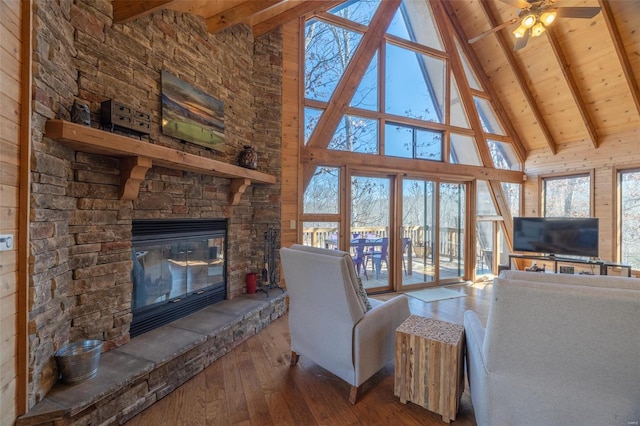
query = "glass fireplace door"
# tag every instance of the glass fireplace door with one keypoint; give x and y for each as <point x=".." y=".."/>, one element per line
<point x="175" y="269"/>
<point x="176" y="273"/>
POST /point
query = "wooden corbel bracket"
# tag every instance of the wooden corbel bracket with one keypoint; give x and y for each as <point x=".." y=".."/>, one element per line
<point x="237" y="188"/>
<point x="132" y="173"/>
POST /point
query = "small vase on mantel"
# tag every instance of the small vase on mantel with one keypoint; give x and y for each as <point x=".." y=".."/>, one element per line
<point x="248" y="158"/>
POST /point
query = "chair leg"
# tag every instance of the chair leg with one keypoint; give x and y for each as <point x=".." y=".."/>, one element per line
<point x="294" y="358"/>
<point x="353" y="394"/>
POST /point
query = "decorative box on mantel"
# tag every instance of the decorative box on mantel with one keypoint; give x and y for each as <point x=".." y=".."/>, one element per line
<point x="116" y="116"/>
<point x="138" y="156"/>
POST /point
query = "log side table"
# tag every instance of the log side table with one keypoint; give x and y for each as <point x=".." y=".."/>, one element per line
<point x="429" y="365"/>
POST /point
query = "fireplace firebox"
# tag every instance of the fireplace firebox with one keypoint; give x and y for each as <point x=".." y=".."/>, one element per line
<point x="179" y="267"/>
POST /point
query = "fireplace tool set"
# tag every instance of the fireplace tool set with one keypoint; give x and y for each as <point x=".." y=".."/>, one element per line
<point x="269" y="271"/>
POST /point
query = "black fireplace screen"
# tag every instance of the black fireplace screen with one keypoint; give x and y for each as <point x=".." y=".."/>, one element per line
<point x="178" y="268"/>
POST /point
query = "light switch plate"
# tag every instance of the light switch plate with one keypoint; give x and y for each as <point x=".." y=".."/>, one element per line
<point x="6" y="242"/>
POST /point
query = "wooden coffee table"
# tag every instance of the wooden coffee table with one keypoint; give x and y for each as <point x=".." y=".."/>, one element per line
<point x="429" y="365"/>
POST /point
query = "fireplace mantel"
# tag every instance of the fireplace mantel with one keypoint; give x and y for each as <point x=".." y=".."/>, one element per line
<point x="138" y="157"/>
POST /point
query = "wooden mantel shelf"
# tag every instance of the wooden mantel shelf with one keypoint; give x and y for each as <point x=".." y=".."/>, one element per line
<point x="138" y="157"/>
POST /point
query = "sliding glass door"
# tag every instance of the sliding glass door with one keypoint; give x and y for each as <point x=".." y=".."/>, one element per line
<point x="432" y="245"/>
<point x="417" y="239"/>
<point x="452" y="224"/>
<point x="370" y="237"/>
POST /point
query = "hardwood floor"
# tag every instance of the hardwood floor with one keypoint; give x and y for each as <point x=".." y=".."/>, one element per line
<point x="254" y="384"/>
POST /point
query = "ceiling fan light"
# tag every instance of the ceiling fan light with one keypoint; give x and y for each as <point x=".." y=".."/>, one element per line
<point x="529" y="20"/>
<point x="537" y="29"/>
<point x="547" y="18"/>
<point x="519" y="32"/>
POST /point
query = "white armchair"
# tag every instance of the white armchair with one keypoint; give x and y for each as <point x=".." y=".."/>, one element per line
<point x="328" y="319"/>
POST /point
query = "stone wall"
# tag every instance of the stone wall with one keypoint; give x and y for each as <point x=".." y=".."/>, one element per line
<point x="80" y="231"/>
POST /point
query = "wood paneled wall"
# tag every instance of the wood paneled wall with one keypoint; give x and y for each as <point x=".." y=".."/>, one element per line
<point x="614" y="154"/>
<point x="291" y="116"/>
<point x="14" y="108"/>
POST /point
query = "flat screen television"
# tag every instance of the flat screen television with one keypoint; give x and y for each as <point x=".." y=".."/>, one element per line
<point x="569" y="236"/>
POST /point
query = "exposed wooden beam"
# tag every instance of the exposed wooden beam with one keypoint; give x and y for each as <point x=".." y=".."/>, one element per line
<point x="573" y="85"/>
<point x="519" y="73"/>
<point x="318" y="156"/>
<point x="350" y="80"/>
<point x="291" y="14"/>
<point x="128" y="10"/>
<point x="622" y="54"/>
<point x="239" y="13"/>
<point x="486" y="83"/>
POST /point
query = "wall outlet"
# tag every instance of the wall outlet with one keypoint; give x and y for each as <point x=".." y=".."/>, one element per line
<point x="292" y="224"/>
<point x="6" y="242"/>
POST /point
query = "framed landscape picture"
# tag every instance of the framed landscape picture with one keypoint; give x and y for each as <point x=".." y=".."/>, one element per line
<point x="190" y="114"/>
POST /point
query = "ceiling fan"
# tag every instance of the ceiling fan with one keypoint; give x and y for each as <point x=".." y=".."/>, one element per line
<point x="535" y="16"/>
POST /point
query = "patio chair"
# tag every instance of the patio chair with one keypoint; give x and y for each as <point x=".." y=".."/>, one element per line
<point x="361" y="256"/>
<point x="380" y="256"/>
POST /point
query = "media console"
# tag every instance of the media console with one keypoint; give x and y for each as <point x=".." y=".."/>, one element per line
<point x="599" y="267"/>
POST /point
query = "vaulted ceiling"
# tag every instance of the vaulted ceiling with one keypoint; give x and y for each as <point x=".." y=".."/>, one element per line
<point x="577" y="83"/>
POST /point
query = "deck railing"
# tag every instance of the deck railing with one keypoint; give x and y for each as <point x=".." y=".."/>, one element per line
<point x="420" y="238"/>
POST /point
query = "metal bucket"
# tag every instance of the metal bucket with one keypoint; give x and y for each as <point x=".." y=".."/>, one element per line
<point x="78" y="361"/>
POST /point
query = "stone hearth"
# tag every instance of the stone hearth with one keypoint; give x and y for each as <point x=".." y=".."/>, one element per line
<point x="137" y="374"/>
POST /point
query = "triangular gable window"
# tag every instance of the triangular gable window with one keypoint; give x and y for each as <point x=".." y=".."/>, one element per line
<point x="484" y="203"/>
<point x="356" y="134"/>
<point x="311" y="117"/>
<point x="366" y="96"/>
<point x="464" y="150"/>
<point x="415" y="84"/>
<point x="328" y="51"/>
<point x="468" y="71"/>
<point x="503" y="156"/>
<point x="488" y="118"/>
<point x="456" y="107"/>
<point x="356" y="11"/>
<point x="413" y="21"/>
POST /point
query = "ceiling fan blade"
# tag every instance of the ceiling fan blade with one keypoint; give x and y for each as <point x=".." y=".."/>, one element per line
<point x="577" y="12"/>
<point x="520" y="4"/>
<point x="493" y="30"/>
<point x="522" y="42"/>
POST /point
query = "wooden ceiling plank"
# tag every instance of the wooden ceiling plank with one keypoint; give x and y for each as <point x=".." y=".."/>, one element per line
<point x="518" y="72"/>
<point x="341" y="97"/>
<point x="238" y="14"/>
<point x="480" y="73"/>
<point x="622" y="54"/>
<point x="573" y="86"/>
<point x="128" y="10"/>
<point x="293" y="13"/>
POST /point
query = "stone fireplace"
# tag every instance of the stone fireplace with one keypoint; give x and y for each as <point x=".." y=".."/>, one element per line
<point x="84" y="246"/>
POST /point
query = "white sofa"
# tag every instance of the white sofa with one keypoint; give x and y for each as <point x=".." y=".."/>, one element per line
<point x="557" y="350"/>
<point x="328" y="320"/>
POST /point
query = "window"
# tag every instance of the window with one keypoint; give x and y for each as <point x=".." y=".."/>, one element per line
<point x="356" y="134"/>
<point x="410" y="142"/>
<point x="630" y="217"/>
<point x="322" y="194"/>
<point x="416" y="88"/>
<point x="328" y="51"/>
<point x="567" y="196"/>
